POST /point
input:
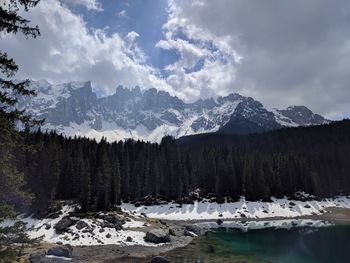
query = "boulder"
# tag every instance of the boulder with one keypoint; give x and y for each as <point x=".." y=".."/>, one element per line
<point x="63" y="224"/>
<point x="81" y="224"/>
<point x="157" y="236"/>
<point x="189" y="233"/>
<point x="37" y="257"/>
<point x="107" y="225"/>
<point x="118" y="210"/>
<point x="219" y="221"/>
<point x="162" y="222"/>
<point x="60" y="251"/>
<point x="159" y="259"/>
<point x="129" y="239"/>
<point x="172" y="232"/>
<point x="118" y="226"/>
<point x="53" y="215"/>
<point x="88" y="230"/>
<point x="114" y="219"/>
<point x="194" y="229"/>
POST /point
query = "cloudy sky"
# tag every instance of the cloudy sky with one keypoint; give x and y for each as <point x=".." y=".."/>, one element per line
<point x="279" y="52"/>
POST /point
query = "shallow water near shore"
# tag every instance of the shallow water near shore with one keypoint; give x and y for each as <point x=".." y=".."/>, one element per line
<point x="270" y="245"/>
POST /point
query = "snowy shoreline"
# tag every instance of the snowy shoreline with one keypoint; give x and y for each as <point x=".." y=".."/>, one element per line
<point x="244" y="215"/>
<point x="240" y="210"/>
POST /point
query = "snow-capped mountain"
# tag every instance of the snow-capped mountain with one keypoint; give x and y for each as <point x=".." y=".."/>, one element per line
<point x="74" y="109"/>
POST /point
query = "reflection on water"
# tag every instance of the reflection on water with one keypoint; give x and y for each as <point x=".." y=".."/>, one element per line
<point x="296" y="245"/>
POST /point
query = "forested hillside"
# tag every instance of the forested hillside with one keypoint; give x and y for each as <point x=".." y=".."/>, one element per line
<point x="311" y="159"/>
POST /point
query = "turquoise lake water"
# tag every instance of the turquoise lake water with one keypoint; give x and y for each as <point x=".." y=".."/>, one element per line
<point x="297" y="245"/>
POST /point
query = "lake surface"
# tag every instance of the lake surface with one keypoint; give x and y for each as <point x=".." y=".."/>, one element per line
<point x="296" y="245"/>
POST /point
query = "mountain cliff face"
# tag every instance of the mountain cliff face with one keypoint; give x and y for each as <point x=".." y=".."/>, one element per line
<point x="250" y="116"/>
<point x="74" y="109"/>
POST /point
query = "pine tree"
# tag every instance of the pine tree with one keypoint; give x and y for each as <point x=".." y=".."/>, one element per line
<point x="248" y="166"/>
<point x="11" y="180"/>
<point x="115" y="183"/>
<point x="126" y="176"/>
<point x="117" y="187"/>
<point x="135" y="179"/>
<point x="85" y="192"/>
<point x="104" y="177"/>
<point x="69" y="174"/>
<point x="146" y="187"/>
<point x="54" y="172"/>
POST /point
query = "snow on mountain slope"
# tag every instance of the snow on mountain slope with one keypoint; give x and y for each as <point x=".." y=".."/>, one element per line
<point x="299" y="116"/>
<point x="74" y="109"/>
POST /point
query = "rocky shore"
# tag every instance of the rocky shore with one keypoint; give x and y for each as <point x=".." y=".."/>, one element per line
<point x="166" y="236"/>
<point x="103" y="237"/>
<point x="123" y="235"/>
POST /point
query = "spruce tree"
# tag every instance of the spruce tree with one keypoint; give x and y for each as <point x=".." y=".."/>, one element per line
<point x="54" y="173"/>
<point x="11" y="180"/>
<point x="115" y="182"/>
<point x="126" y="171"/>
<point x="104" y="177"/>
<point x="85" y="190"/>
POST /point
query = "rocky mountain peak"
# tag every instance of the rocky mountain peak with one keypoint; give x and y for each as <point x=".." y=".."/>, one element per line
<point x="302" y="116"/>
<point x="74" y="109"/>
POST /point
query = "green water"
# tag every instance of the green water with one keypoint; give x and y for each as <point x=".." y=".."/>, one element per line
<point x="297" y="245"/>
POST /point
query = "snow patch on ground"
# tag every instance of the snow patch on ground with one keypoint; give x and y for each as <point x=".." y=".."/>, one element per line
<point x="206" y="210"/>
<point x="136" y="226"/>
<point x="75" y="237"/>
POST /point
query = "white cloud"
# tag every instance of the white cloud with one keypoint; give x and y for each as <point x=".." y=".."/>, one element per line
<point x="132" y="36"/>
<point x="89" y="4"/>
<point x="283" y="53"/>
<point x="207" y="64"/>
<point x="67" y="50"/>
<point x="293" y="52"/>
<point x="122" y="13"/>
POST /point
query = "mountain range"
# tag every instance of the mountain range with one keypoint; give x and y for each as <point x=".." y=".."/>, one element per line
<point x="74" y="109"/>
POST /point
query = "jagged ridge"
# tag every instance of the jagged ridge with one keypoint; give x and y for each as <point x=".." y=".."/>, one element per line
<point x="74" y="109"/>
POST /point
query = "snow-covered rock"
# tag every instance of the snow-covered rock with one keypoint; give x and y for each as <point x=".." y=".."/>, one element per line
<point x="93" y="233"/>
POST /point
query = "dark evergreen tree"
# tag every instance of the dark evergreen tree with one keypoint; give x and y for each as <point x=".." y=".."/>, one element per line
<point x="11" y="180"/>
<point x="256" y="166"/>
<point x="85" y="191"/>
